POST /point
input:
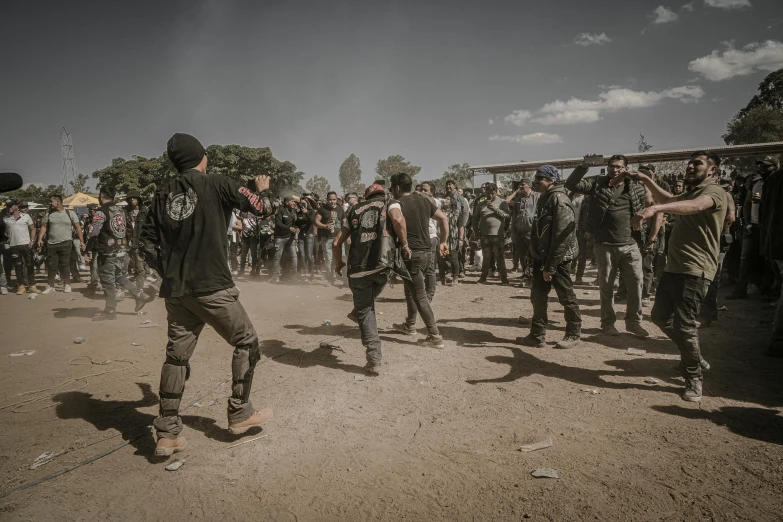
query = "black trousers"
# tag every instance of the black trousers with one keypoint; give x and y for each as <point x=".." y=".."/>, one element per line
<point x="58" y="259"/>
<point x="22" y="259"/>
<point x="677" y="305"/>
<point x="493" y="245"/>
<point x="539" y="297"/>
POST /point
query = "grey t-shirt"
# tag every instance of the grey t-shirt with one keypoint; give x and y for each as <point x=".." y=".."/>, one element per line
<point x="59" y="226"/>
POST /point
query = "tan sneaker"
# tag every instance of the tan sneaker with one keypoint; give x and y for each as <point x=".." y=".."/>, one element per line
<point x="33" y="290"/>
<point x="257" y="419"/>
<point x="166" y="447"/>
<point x="21" y="290"/>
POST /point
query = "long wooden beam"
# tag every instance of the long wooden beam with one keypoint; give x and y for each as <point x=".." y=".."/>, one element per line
<point x="726" y="151"/>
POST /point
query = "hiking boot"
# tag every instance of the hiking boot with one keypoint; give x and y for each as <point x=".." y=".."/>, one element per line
<point x="372" y="368"/>
<point x="167" y="447"/>
<point x="105" y="316"/>
<point x="531" y="340"/>
<point x="353" y="317"/>
<point x="142" y="300"/>
<point x="33" y="290"/>
<point x="67" y="289"/>
<point x="403" y="328"/>
<point x="432" y="341"/>
<point x="256" y="420"/>
<point x="568" y="342"/>
<point x="692" y="391"/>
<point x="637" y="330"/>
<point x="48" y="290"/>
<point x="21" y="290"/>
<point x="609" y="329"/>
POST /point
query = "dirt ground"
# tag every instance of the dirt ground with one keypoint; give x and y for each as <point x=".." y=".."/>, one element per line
<point x="436" y="437"/>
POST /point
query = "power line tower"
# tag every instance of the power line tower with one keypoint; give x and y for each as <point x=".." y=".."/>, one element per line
<point x="69" y="163"/>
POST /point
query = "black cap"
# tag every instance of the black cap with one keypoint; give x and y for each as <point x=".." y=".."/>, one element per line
<point x="769" y="160"/>
<point x="185" y="151"/>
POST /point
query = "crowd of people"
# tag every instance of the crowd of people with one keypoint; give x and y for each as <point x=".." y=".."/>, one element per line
<point x="665" y="242"/>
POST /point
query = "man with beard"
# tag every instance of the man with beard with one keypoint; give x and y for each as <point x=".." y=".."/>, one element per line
<point x="327" y="220"/>
<point x="184" y="239"/>
<point x="377" y="230"/>
<point x="58" y="227"/>
<point x="693" y="258"/>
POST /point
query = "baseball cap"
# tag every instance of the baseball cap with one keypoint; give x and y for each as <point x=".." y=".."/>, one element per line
<point x="769" y="160"/>
<point x="372" y="190"/>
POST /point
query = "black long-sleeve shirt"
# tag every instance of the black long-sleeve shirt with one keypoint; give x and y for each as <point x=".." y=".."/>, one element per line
<point x="184" y="235"/>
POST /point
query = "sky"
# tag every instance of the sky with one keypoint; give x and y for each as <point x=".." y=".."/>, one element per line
<point x="439" y="82"/>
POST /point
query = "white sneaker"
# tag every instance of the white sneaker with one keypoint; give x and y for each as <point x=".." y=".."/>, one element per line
<point x="48" y="290"/>
<point x="3" y="290"/>
<point x="67" y="289"/>
<point x="57" y="277"/>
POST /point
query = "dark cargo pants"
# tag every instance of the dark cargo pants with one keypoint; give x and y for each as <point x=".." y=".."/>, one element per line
<point x="187" y="316"/>
<point x="539" y="298"/>
<point x="110" y="271"/>
<point x="677" y="305"/>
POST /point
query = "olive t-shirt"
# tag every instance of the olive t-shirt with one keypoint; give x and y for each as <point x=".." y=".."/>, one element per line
<point x="694" y="244"/>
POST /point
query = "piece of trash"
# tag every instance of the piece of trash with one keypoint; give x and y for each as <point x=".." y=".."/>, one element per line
<point x="536" y="446"/>
<point x="380" y="313"/>
<point x="590" y="390"/>
<point x="476" y="299"/>
<point x="143" y="312"/>
<point x="135" y="344"/>
<point x="197" y="404"/>
<point x="358" y="377"/>
<point x="246" y="441"/>
<point x="651" y="380"/>
<point x="174" y="466"/>
<point x="72" y="299"/>
<point x="33" y="296"/>
<point x="147" y="321"/>
<point x="43" y="458"/>
<point x="78" y="340"/>
<point x="547" y="473"/>
<point x="149" y="325"/>
<point x="23" y="352"/>
<point x="327" y="323"/>
<point x="212" y="403"/>
<point x="475" y="344"/>
<point x="587" y="293"/>
<point x="635" y="351"/>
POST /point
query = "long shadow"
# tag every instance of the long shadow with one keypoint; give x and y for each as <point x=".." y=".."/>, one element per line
<point x="67" y="313"/>
<point x="388" y="299"/>
<point x="761" y="424"/>
<point x="210" y="428"/>
<point x="492" y="321"/>
<point x="325" y="357"/>
<point x="122" y="416"/>
<point x="522" y="364"/>
<point x="324" y="330"/>
<point x="463" y="335"/>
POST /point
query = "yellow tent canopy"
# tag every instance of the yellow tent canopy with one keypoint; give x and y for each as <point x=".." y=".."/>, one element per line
<point x="79" y="200"/>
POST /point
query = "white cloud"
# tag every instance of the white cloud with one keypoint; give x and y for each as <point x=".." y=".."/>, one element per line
<point x="688" y="7"/>
<point x="664" y="15"/>
<point x="727" y="4"/>
<point x="576" y="110"/>
<point x="518" y="118"/>
<point x="491" y="121"/>
<point x="536" y="138"/>
<point x="718" y="66"/>
<point x="586" y="39"/>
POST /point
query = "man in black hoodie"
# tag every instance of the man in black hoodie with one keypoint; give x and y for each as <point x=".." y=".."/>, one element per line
<point x="184" y="239"/>
<point x="552" y="246"/>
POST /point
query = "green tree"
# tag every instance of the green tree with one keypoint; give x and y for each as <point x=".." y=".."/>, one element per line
<point x="642" y="145"/>
<point x="395" y="164"/>
<point x="80" y="184"/>
<point x="319" y="185"/>
<point x="138" y="173"/>
<point x="34" y="193"/>
<point x="770" y="94"/>
<point x="351" y="175"/>
<point x="460" y="173"/>
<point x="758" y="125"/>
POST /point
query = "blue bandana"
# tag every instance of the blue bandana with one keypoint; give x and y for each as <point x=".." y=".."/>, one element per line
<point x="549" y="172"/>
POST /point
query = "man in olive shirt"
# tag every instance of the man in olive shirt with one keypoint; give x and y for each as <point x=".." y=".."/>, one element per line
<point x="693" y="258"/>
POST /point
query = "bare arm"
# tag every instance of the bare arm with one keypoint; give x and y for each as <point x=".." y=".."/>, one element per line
<point x="318" y="224"/>
<point x="337" y="249"/>
<point x="679" y="208"/>
<point x="659" y="195"/>
<point x="31" y="228"/>
<point x="41" y="234"/>
<point x="443" y="224"/>
<point x="655" y="223"/>
<point x="79" y="233"/>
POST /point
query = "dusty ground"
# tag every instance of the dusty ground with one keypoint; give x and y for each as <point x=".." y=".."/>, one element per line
<point x="436" y="437"/>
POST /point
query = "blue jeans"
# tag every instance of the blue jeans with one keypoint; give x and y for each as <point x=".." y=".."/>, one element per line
<point x="282" y="245"/>
<point x="306" y="245"/>
<point x="326" y="246"/>
<point x="365" y="290"/>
